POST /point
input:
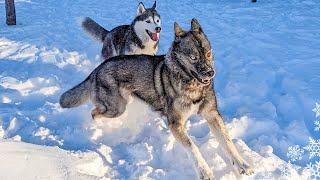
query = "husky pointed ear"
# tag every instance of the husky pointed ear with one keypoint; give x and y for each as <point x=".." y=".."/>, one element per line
<point x="177" y="30"/>
<point x="195" y="26"/>
<point x="140" y="9"/>
<point x="154" y="7"/>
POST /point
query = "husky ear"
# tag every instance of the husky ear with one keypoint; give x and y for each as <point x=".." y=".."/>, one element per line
<point x="140" y="9"/>
<point x="177" y="30"/>
<point x="195" y="26"/>
<point x="154" y="7"/>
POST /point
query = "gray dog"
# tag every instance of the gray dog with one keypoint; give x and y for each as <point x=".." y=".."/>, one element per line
<point x="141" y="37"/>
<point x="177" y="85"/>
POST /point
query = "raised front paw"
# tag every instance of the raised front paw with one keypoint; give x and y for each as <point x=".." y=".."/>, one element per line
<point x="243" y="167"/>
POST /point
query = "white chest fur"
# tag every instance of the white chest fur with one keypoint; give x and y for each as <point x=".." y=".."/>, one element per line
<point x="150" y="48"/>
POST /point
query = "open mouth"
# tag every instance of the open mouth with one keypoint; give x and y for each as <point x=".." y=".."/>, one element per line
<point x="204" y="81"/>
<point x="153" y="36"/>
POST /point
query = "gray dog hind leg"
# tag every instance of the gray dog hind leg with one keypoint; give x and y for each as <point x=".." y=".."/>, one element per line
<point x="108" y="100"/>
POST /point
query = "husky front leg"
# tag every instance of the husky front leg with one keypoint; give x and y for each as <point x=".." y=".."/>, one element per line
<point x="176" y="125"/>
<point x="210" y="113"/>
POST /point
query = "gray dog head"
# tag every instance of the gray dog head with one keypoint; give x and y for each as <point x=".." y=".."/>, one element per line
<point x="193" y="53"/>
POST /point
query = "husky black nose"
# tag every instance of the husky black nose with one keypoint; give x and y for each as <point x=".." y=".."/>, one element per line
<point x="211" y="73"/>
<point x="158" y="29"/>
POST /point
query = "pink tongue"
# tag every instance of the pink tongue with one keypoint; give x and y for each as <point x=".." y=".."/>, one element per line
<point x="154" y="36"/>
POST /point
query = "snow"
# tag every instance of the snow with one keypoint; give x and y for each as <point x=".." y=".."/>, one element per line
<point x="267" y="86"/>
<point x="28" y="161"/>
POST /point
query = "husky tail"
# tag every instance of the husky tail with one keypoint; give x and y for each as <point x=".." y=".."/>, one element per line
<point x="94" y="29"/>
<point x="78" y="95"/>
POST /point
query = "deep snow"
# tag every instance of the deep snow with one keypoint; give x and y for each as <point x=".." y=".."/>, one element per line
<point x="267" y="83"/>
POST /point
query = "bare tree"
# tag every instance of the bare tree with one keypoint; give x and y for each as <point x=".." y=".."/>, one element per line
<point x="10" y="12"/>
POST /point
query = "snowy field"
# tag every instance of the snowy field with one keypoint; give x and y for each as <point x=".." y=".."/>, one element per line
<point x="267" y="59"/>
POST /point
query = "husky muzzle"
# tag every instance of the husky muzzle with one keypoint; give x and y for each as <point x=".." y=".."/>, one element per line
<point x="204" y="75"/>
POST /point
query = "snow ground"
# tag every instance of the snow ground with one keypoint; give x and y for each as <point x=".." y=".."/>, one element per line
<point x="267" y="83"/>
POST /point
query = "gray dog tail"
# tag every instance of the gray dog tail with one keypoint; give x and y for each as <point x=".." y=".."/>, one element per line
<point x="94" y="29"/>
<point x="77" y="95"/>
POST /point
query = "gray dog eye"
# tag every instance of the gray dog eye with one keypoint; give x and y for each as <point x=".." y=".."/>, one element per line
<point x="148" y="21"/>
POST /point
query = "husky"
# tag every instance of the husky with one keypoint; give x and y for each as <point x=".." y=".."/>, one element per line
<point x="177" y="85"/>
<point x="141" y="37"/>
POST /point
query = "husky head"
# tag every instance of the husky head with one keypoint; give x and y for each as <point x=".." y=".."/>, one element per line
<point x="191" y="54"/>
<point x="147" y="24"/>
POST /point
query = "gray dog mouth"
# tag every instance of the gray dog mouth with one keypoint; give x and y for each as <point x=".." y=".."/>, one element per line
<point x="204" y="81"/>
<point x="153" y="36"/>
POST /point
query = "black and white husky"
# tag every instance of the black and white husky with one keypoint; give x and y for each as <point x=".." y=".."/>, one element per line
<point x="141" y="37"/>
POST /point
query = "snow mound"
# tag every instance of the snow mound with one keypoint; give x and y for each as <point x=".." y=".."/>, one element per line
<point x="136" y="147"/>
<point x="31" y="161"/>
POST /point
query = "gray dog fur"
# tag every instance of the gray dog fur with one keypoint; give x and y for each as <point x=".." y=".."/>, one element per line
<point x="177" y="85"/>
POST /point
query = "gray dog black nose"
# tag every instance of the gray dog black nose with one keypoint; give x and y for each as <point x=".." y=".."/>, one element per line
<point x="211" y="73"/>
<point x="158" y="29"/>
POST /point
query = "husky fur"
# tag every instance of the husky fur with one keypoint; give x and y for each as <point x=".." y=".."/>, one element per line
<point x="140" y="37"/>
<point x="177" y="85"/>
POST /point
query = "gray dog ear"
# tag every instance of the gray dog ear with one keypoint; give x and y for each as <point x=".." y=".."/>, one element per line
<point x="140" y="9"/>
<point x="154" y="7"/>
<point x="177" y="30"/>
<point x="195" y="26"/>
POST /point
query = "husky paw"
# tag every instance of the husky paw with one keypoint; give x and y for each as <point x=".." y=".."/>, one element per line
<point x="205" y="174"/>
<point x="95" y="114"/>
<point x="243" y="167"/>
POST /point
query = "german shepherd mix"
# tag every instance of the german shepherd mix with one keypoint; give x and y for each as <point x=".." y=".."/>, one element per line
<point x="177" y="85"/>
<point x="141" y="37"/>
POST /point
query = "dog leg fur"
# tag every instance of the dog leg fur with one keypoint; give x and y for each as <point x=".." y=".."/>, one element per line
<point x="113" y="104"/>
<point x="218" y="128"/>
<point x="181" y="135"/>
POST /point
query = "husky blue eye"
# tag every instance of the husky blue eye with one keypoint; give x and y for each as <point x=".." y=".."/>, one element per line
<point x="148" y="21"/>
